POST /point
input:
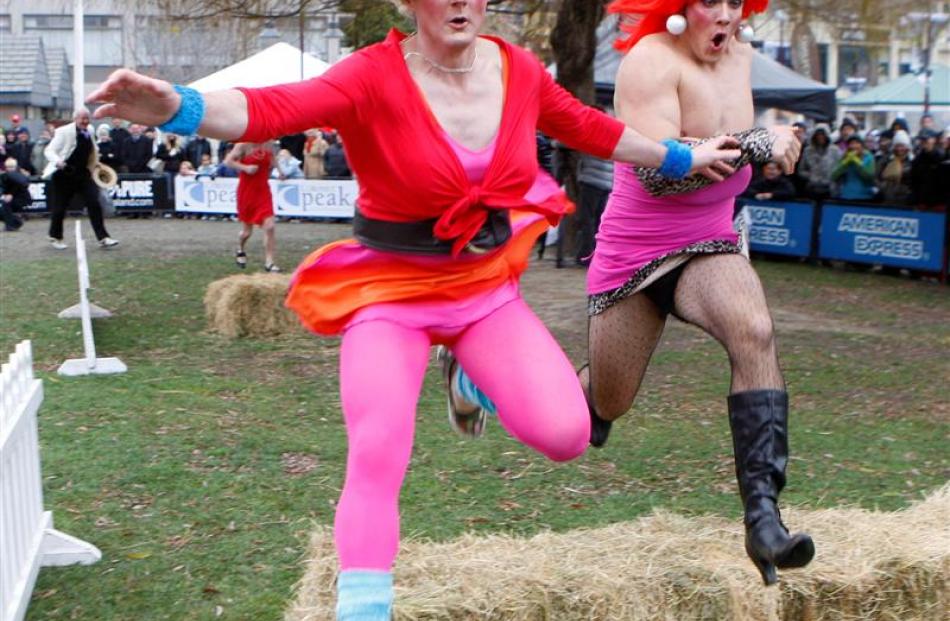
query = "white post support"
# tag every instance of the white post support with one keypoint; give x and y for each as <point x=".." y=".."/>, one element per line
<point x="28" y="540"/>
<point x="79" y="54"/>
<point x="90" y="363"/>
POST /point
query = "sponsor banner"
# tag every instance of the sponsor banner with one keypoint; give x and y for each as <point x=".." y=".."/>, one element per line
<point x="133" y="192"/>
<point x="293" y="198"/>
<point x="780" y="227"/>
<point x="888" y="236"/>
<point x="39" y="190"/>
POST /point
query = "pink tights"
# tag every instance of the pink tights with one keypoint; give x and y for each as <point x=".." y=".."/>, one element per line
<point x="509" y="354"/>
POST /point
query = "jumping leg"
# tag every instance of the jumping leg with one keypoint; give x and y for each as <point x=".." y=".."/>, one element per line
<point x="513" y="358"/>
<point x="722" y="295"/>
<point x="622" y="340"/>
<point x="379" y="409"/>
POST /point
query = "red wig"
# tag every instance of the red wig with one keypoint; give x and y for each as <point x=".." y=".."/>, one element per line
<point x="651" y="16"/>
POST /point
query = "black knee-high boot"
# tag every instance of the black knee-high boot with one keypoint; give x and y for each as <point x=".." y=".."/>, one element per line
<point x="759" y="422"/>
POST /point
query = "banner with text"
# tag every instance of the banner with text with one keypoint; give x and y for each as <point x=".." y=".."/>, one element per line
<point x="293" y="198"/>
<point x="893" y="237"/>
<point x="133" y="192"/>
<point x="780" y="227"/>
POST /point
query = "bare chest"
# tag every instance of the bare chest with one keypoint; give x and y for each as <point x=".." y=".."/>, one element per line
<point x="716" y="101"/>
<point x="470" y="113"/>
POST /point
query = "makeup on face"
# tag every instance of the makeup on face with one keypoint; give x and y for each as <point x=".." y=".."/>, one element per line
<point x="712" y="23"/>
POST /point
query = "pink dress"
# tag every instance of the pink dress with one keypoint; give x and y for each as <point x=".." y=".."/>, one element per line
<point x="639" y="232"/>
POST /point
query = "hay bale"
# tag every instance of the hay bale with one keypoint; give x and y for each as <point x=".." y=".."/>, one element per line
<point x="869" y="565"/>
<point x="250" y="305"/>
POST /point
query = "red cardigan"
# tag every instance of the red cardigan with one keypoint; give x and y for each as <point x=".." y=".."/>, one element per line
<point x="406" y="169"/>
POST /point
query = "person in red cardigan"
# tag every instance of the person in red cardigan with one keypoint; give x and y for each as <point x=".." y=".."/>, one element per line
<point x="440" y="131"/>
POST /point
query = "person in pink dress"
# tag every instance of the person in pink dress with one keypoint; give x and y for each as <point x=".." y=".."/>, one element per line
<point x="255" y="205"/>
<point x="669" y="247"/>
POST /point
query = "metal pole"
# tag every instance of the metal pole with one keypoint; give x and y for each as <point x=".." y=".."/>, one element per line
<point x="302" y="19"/>
<point x="79" y="61"/>
<point x="927" y="43"/>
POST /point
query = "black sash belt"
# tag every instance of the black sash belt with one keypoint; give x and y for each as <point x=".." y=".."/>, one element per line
<point x="418" y="237"/>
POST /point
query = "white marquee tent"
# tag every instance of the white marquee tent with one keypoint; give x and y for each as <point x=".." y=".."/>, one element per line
<point x="278" y="64"/>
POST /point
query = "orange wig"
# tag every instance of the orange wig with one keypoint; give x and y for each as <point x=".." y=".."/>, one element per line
<point x="650" y="16"/>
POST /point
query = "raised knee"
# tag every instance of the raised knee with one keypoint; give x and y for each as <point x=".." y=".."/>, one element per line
<point x="756" y="336"/>
<point x="565" y="443"/>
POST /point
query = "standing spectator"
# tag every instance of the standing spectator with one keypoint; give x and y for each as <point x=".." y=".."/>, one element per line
<point x="288" y="166"/>
<point x="9" y="138"/>
<point x="171" y="153"/>
<point x="119" y="135"/>
<point x="223" y="170"/>
<point x="855" y="172"/>
<point x="205" y="167"/>
<point x="14" y="195"/>
<point x="898" y="124"/>
<point x="334" y="160"/>
<point x="22" y="151"/>
<point x="771" y="185"/>
<point x="545" y="152"/>
<point x="72" y="156"/>
<point x="16" y="124"/>
<point x="928" y="128"/>
<point x="595" y="179"/>
<point x="818" y="162"/>
<point x="37" y="159"/>
<point x="894" y="171"/>
<point x="925" y="178"/>
<point x="108" y="150"/>
<point x="314" y="150"/>
<point x="137" y="151"/>
<point x="196" y="147"/>
<point x="295" y="144"/>
<point x="224" y="147"/>
<point x="801" y="132"/>
<point x="848" y="128"/>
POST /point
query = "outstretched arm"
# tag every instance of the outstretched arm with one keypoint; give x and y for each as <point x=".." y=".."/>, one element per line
<point x="140" y="99"/>
<point x="249" y="115"/>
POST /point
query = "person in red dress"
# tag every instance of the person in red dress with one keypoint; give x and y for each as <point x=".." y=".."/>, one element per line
<point x="254" y="204"/>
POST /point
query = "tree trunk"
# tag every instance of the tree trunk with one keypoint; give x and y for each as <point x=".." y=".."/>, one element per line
<point x="574" y="42"/>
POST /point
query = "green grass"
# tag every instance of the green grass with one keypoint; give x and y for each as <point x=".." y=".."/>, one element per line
<point x="176" y="469"/>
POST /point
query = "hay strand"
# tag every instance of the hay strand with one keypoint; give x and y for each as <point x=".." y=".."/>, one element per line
<point x="870" y="565"/>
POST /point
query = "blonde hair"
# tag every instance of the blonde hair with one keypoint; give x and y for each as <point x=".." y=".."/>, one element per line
<point x="11" y="161"/>
<point x="401" y="7"/>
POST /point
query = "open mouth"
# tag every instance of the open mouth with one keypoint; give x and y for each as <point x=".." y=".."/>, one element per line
<point x="719" y="40"/>
<point x="459" y="22"/>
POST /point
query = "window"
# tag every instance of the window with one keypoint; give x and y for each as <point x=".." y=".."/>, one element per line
<point x="6" y="25"/>
<point x="102" y="36"/>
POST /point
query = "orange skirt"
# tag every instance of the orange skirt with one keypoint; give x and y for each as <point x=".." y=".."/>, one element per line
<point x="337" y="280"/>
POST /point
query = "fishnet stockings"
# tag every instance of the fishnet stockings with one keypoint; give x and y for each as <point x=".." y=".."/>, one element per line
<point x="722" y="295"/>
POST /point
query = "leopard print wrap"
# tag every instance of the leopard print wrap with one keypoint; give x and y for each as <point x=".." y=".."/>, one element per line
<point x="599" y="302"/>
<point x="756" y="145"/>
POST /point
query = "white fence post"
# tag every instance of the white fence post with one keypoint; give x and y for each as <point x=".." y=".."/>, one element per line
<point x="90" y="363"/>
<point x="27" y="537"/>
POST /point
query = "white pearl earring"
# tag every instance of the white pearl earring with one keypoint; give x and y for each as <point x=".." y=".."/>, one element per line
<point x="676" y="25"/>
<point x="746" y="33"/>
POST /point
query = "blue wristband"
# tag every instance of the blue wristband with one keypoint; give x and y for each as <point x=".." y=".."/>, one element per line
<point x="188" y="118"/>
<point x="678" y="160"/>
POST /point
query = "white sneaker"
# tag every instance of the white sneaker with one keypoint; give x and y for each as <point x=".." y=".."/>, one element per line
<point x="58" y="244"/>
<point x="108" y="242"/>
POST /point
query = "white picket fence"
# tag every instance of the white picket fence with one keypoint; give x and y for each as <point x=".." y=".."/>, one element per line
<point x="28" y="540"/>
<point x="88" y="363"/>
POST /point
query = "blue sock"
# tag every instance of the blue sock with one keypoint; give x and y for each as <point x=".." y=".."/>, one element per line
<point x="364" y="595"/>
<point x="472" y="393"/>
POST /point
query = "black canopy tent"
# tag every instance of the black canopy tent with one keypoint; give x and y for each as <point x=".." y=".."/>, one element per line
<point x="773" y="84"/>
